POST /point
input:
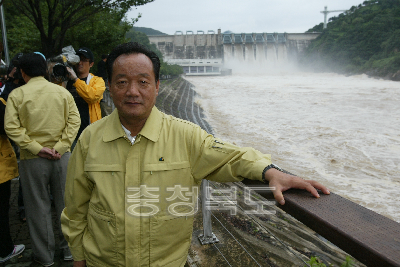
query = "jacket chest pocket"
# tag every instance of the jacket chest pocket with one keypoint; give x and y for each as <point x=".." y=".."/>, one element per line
<point x="106" y="178"/>
<point x="166" y="166"/>
<point x="103" y="168"/>
<point x="165" y="174"/>
<point x="171" y="182"/>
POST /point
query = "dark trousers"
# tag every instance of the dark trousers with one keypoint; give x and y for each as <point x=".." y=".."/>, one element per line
<point x="6" y="243"/>
<point x="37" y="176"/>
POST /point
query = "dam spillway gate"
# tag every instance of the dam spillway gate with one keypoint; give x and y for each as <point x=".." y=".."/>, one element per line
<point x="207" y="53"/>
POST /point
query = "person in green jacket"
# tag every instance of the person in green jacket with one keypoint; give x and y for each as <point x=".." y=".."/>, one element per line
<point x="134" y="174"/>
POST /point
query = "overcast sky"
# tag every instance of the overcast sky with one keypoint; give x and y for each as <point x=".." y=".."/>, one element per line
<point x="239" y="16"/>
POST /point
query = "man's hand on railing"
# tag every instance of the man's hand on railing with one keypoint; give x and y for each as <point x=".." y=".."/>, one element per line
<point x="283" y="181"/>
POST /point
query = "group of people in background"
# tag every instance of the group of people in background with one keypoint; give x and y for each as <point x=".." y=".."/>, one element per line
<point x="44" y="120"/>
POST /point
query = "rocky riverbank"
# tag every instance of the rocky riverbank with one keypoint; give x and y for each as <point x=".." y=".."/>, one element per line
<point x="177" y="98"/>
<point x="393" y="76"/>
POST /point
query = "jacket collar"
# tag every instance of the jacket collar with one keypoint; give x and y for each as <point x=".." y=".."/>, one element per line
<point x="35" y="79"/>
<point x="151" y="129"/>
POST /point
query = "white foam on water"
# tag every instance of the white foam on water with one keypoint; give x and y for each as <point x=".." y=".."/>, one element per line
<point x="341" y="131"/>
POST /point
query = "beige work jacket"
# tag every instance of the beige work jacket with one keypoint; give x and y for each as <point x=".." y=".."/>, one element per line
<point x="41" y="114"/>
<point x="112" y="185"/>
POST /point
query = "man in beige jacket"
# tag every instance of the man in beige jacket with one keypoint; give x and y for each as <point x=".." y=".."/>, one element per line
<point x="129" y="171"/>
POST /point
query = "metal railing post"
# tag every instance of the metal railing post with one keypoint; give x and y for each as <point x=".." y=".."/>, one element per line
<point x="208" y="237"/>
<point x="4" y="33"/>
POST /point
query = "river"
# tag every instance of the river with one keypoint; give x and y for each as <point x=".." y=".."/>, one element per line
<point x="341" y="131"/>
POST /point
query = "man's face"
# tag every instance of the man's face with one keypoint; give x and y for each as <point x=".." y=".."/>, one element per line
<point x="133" y="87"/>
<point x="83" y="67"/>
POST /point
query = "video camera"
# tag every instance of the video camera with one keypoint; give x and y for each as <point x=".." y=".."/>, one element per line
<point x="57" y="66"/>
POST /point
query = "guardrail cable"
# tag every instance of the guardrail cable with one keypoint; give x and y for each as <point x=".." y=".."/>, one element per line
<point x="237" y="241"/>
<point x="262" y="227"/>
<point x="222" y="255"/>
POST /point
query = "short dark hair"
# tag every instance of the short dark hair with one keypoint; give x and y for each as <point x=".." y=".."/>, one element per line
<point x="130" y="49"/>
<point x="33" y="65"/>
<point x="104" y="56"/>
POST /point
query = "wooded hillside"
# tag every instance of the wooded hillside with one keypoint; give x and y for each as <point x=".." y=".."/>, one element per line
<point x="364" y="39"/>
<point x="148" y="31"/>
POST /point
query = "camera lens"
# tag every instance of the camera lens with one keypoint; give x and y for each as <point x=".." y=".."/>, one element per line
<point x="59" y="70"/>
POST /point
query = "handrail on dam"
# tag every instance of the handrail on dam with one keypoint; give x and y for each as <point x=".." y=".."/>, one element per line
<point x="238" y="39"/>
<point x="260" y="38"/>
<point x="270" y="38"/>
<point x="229" y="38"/>
<point x="249" y="38"/>
<point x="368" y="236"/>
<point x="281" y="38"/>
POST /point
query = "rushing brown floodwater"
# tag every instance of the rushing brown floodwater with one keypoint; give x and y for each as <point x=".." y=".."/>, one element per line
<point x="341" y="131"/>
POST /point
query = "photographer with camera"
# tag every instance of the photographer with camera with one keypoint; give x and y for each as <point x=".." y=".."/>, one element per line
<point x="86" y="88"/>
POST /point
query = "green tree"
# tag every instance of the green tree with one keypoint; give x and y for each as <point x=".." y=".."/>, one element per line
<point x="141" y="38"/>
<point x="22" y="34"/>
<point x="169" y="69"/>
<point x="317" y="28"/>
<point x="101" y="32"/>
<point x="53" y="18"/>
<point x="148" y="31"/>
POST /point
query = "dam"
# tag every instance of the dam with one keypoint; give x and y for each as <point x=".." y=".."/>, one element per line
<point x="209" y="53"/>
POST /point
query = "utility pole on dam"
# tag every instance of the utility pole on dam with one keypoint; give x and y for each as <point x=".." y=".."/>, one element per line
<point x="325" y="12"/>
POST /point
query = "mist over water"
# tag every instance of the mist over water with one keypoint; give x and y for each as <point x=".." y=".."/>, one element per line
<point x="341" y="131"/>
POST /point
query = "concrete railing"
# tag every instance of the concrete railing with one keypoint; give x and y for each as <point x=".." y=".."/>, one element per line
<point x="366" y="235"/>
